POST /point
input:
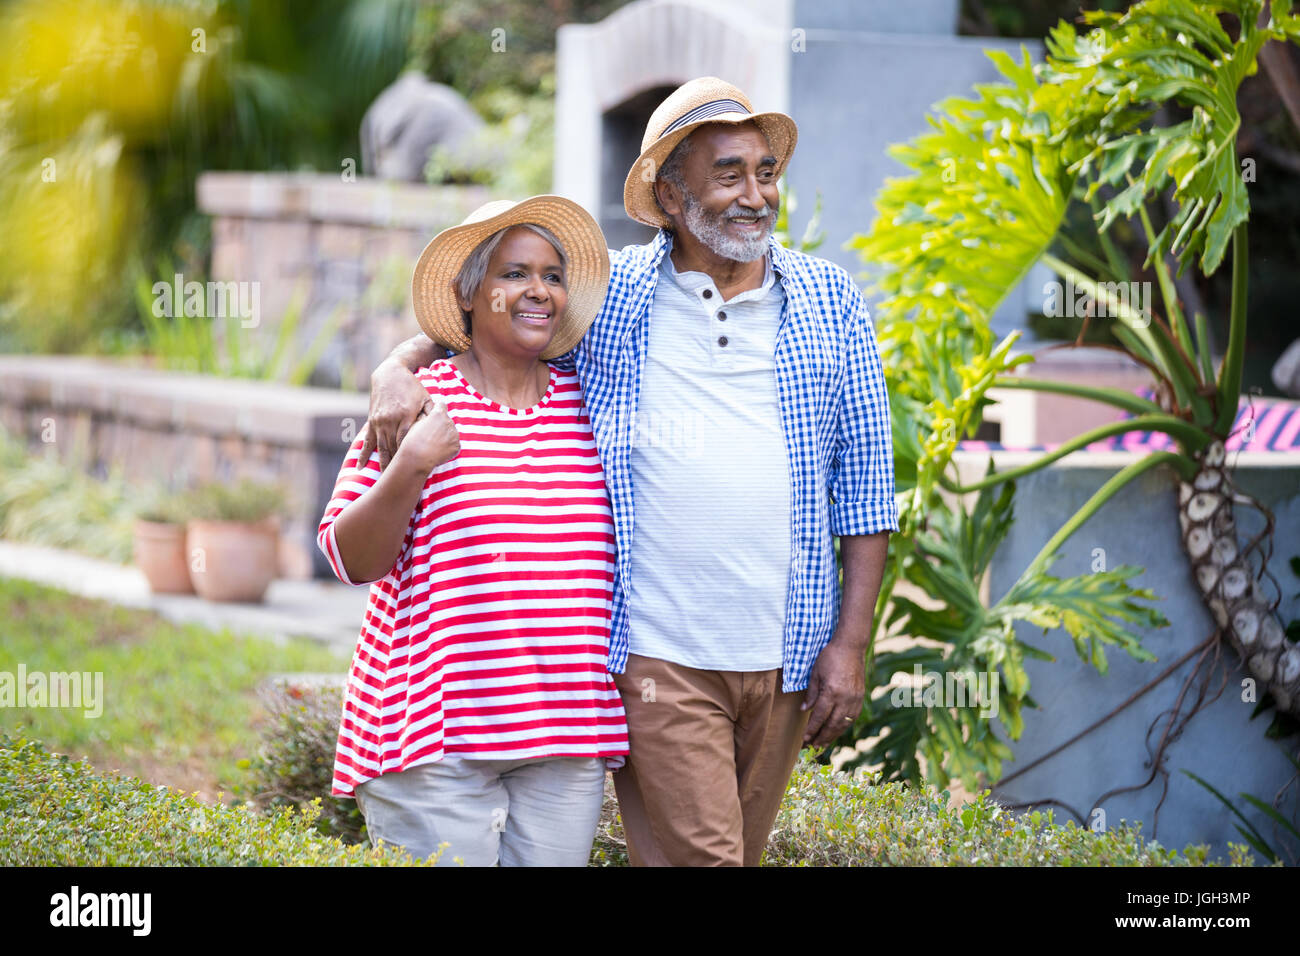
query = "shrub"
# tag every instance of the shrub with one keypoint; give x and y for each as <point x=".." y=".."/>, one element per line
<point x="243" y="501"/>
<point x="834" y="819"/>
<point x="295" y="764"/>
<point x="45" y="501"/>
<point x="58" y="812"/>
<point x="828" y="818"/>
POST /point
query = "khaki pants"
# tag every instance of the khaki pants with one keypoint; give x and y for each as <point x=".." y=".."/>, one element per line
<point x="711" y="757"/>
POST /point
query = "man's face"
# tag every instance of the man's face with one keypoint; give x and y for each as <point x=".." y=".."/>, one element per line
<point x="730" y="198"/>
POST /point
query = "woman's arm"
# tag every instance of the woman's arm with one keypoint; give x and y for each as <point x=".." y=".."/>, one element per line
<point x="370" y="532"/>
<point x="396" y="396"/>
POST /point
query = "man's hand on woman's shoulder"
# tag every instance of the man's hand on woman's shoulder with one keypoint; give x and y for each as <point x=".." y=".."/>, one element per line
<point x="397" y="397"/>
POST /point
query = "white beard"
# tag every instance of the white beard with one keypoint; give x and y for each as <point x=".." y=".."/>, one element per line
<point x="711" y="231"/>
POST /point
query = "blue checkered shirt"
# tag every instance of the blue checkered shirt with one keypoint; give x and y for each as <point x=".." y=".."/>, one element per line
<point x="834" y="410"/>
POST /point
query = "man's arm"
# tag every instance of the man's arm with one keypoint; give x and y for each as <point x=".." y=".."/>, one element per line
<point x="397" y="397"/>
<point x="837" y="684"/>
<point x="863" y="513"/>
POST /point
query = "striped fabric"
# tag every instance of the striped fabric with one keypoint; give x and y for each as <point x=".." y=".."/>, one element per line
<point x="1262" y="424"/>
<point x="490" y="634"/>
<point x="705" y="111"/>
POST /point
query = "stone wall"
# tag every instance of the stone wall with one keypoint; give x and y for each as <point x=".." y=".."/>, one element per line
<point x="179" y="430"/>
<point x="342" y="250"/>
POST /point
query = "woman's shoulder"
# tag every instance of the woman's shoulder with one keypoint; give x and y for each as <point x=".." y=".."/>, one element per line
<point x="566" y="376"/>
<point x="438" y="376"/>
<point x="565" y="381"/>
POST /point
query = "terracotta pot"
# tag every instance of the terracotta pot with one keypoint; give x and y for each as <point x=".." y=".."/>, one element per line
<point x="232" y="560"/>
<point x="160" y="554"/>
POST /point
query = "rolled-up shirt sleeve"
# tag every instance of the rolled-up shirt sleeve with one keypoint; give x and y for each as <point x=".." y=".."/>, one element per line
<point x="354" y="480"/>
<point x="862" y="473"/>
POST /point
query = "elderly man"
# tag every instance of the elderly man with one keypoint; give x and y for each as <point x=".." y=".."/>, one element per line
<point x="739" y="408"/>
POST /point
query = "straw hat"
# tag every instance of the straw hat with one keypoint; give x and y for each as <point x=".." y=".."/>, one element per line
<point x="432" y="285"/>
<point x="703" y="100"/>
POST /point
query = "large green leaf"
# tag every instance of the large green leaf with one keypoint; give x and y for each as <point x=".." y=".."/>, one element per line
<point x="963" y="643"/>
<point x="1129" y="66"/>
<point x="987" y="196"/>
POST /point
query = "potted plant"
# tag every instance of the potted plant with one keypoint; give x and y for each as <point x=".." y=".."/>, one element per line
<point x="159" y="546"/>
<point x="232" y="539"/>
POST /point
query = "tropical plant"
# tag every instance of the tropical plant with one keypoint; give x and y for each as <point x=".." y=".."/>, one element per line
<point x="1250" y="832"/>
<point x="1096" y="123"/>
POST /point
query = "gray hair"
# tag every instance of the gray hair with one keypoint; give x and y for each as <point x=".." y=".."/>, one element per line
<point x="671" y="171"/>
<point x="473" y="272"/>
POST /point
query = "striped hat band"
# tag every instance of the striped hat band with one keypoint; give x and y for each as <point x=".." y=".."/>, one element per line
<point x="704" y="111"/>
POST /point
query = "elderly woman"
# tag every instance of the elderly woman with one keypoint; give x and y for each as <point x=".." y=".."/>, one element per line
<point x="479" y="711"/>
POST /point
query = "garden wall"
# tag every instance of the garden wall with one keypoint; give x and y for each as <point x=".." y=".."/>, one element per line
<point x="1221" y="744"/>
<point x="344" y="246"/>
<point x="181" y="429"/>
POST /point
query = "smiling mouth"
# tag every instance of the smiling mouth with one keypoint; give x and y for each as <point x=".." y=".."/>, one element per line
<point x="534" y="318"/>
<point x="747" y="222"/>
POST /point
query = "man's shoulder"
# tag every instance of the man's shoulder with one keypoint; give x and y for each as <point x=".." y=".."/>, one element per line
<point x="631" y="261"/>
<point x="810" y="268"/>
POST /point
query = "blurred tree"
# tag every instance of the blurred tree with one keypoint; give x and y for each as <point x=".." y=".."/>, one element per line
<point x="109" y="110"/>
<point x="1023" y="18"/>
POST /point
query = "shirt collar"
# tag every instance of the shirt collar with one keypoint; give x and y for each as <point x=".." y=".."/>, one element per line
<point x="694" y="281"/>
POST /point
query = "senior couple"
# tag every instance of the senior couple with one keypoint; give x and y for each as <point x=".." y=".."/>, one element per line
<point x="552" y="595"/>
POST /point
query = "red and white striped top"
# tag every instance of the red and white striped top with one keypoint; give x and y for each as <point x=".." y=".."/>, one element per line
<point x="489" y="636"/>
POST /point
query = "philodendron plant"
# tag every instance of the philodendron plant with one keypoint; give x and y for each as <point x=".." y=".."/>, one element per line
<point x="993" y="179"/>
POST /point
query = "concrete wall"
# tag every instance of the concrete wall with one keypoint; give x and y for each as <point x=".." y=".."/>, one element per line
<point x="177" y="430"/>
<point x="1221" y="744"/>
<point x="853" y="93"/>
<point x="856" y="75"/>
<point x="646" y="45"/>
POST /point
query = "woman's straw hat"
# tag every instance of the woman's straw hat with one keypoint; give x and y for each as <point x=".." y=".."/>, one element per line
<point x="434" y="295"/>
<point x="703" y="100"/>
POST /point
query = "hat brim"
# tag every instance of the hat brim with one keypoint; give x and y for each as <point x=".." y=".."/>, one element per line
<point x="638" y="189"/>
<point x="433" y="292"/>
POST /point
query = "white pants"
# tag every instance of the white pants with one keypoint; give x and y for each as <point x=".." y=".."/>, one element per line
<point x="538" y="812"/>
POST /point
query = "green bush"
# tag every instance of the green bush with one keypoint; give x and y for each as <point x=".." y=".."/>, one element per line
<point x="828" y="818"/>
<point x="833" y="819"/>
<point x="58" y="812"/>
<point x="44" y="501"/>
<point x="243" y="501"/>
<point x="295" y="764"/>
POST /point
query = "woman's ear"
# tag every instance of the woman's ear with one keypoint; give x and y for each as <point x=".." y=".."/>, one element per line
<point x="465" y="304"/>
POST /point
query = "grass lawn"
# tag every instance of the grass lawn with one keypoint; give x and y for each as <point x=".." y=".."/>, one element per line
<point x="179" y="702"/>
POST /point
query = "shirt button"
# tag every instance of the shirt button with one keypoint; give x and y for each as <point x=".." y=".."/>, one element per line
<point x="722" y="317"/>
<point x="708" y="293"/>
<point x="722" y="340"/>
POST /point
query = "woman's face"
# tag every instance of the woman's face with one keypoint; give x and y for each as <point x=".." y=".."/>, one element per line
<point x="521" y="298"/>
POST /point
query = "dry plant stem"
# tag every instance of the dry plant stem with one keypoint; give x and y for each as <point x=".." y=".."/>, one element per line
<point x="1229" y="586"/>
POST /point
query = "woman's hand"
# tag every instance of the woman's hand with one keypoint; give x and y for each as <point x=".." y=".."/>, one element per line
<point x="396" y="400"/>
<point x="432" y="440"/>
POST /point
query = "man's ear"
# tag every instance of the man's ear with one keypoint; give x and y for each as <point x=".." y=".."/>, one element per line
<point x="668" y="197"/>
